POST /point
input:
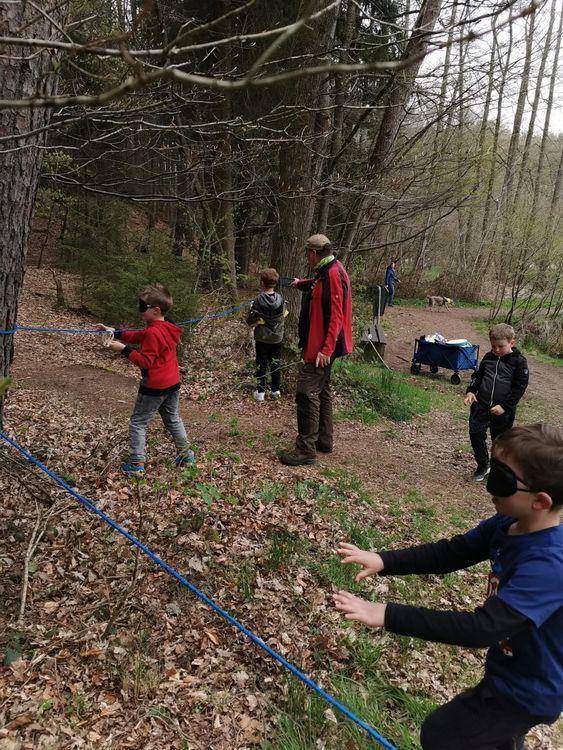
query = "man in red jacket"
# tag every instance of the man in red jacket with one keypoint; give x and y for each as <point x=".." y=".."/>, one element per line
<point x="159" y="389"/>
<point x="325" y="332"/>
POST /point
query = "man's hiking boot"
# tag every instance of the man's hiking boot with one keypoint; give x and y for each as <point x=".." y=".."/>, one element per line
<point x="480" y="474"/>
<point x="185" y="458"/>
<point x="130" y="468"/>
<point x="323" y="448"/>
<point x="289" y="458"/>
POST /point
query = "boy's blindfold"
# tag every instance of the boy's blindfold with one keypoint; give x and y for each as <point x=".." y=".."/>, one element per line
<point x="502" y="481"/>
<point x="143" y="306"/>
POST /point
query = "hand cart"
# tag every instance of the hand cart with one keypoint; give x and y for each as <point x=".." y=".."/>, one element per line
<point x="452" y="356"/>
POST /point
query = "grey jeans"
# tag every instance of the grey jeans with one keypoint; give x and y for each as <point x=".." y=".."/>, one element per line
<point x="145" y="409"/>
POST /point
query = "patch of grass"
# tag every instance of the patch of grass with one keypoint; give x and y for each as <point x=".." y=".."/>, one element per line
<point x="246" y="579"/>
<point x="234" y="429"/>
<point x="395" y="714"/>
<point x="268" y="491"/>
<point x="283" y="547"/>
<point x="375" y="393"/>
<point x="140" y="675"/>
<point x="363" y="536"/>
<point x="77" y="707"/>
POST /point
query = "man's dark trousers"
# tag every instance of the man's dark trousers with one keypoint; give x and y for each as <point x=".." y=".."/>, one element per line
<point x="480" y="418"/>
<point x="479" y="719"/>
<point x="314" y="409"/>
<point x="268" y="356"/>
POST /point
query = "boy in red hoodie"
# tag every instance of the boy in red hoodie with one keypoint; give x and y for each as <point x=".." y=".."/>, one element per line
<point x="159" y="389"/>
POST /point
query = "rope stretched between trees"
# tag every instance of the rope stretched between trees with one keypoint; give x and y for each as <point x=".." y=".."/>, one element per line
<point x="191" y="321"/>
<point x="215" y="607"/>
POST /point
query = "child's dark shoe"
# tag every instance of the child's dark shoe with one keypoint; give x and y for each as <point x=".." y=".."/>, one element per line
<point x="480" y="474"/>
<point x="130" y="468"/>
<point x="185" y="458"/>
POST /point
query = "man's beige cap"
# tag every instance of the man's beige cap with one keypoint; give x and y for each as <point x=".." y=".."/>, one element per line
<point x="317" y="240"/>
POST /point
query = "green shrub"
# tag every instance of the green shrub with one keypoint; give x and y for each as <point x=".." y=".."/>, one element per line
<point x="116" y="260"/>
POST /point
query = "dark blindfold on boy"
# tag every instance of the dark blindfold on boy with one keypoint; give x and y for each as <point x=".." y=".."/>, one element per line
<point x="502" y="481"/>
<point x="143" y="306"/>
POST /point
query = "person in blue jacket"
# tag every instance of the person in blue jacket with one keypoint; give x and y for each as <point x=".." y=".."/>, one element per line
<point x="520" y="622"/>
<point x="390" y="280"/>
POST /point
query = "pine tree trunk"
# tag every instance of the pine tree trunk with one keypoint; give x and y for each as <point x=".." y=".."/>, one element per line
<point x="296" y="186"/>
<point x="21" y="78"/>
<point x="393" y="115"/>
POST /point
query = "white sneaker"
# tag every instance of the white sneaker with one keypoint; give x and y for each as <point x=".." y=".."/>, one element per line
<point x="275" y="394"/>
<point x="257" y="396"/>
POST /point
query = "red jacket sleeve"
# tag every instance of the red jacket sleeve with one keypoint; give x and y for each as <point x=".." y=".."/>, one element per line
<point x="130" y="337"/>
<point x="150" y="351"/>
<point x="336" y="313"/>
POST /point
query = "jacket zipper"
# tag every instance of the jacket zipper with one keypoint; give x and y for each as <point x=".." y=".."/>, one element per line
<point x="494" y="382"/>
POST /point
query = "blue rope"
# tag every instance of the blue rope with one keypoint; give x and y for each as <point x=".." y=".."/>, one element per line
<point x="191" y="321"/>
<point x="184" y="581"/>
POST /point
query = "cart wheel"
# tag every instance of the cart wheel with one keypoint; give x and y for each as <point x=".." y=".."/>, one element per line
<point x="434" y="369"/>
<point x="415" y="368"/>
<point x="455" y="379"/>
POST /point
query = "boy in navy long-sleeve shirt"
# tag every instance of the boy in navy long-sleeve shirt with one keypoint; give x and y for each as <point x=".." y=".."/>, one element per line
<point x="521" y="620"/>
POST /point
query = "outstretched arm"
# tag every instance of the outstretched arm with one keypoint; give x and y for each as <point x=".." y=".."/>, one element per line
<point x="489" y="624"/>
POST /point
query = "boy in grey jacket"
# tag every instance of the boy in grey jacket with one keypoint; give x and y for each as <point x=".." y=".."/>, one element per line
<point x="267" y="314"/>
<point x="494" y="391"/>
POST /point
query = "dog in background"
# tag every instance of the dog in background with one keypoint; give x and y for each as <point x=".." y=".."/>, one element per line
<point x="436" y="301"/>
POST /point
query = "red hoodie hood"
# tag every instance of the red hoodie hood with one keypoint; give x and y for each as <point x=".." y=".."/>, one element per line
<point x="168" y="333"/>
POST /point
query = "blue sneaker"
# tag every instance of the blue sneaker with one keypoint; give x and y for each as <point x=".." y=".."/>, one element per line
<point x="130" y="468"/>
<point x="186" y="457"/>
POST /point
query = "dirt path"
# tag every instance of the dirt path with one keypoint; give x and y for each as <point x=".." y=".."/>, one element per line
<point x="407" y="323"/>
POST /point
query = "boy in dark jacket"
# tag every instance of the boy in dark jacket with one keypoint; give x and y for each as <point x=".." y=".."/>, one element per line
<point x="159" y="389"/>
<point x="494" y="391"/>
<point x="521" y="620"/>
<point x="267" y="314"/>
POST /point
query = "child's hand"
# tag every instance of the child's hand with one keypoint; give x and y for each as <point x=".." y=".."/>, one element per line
<point x="470" y="398"/>
<point x="371" y="562"/>
<point x="295" y="282"/>
<point x="116" y="346"/>
<point x="372" y="615"/>
<point x="102" y="327"/>
<point x="497" y="410"/>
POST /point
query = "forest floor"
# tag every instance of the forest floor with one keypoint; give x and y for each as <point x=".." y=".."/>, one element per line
<point x="113" y="653"/>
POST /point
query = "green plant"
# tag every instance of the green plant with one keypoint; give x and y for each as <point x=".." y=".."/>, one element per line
<point x="268" y="491"/>
<point x="208" y="492"/>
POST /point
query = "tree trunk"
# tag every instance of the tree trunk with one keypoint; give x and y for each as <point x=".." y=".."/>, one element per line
<point x="296" y="186"/>
<point x="393" y="114"/>
<point x="21" y="78"/>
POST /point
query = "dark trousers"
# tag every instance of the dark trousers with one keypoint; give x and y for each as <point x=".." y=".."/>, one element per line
<point x="391" y="290"/>
<point x="479" y="719"/>
<point x="314" y="409"/>
<point x="481" y="419"/>
<point x="268" y="356"/>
